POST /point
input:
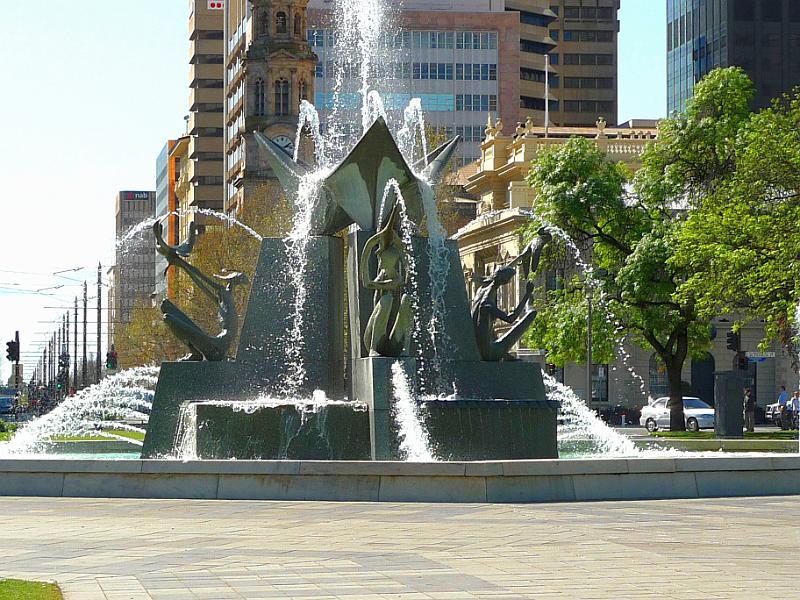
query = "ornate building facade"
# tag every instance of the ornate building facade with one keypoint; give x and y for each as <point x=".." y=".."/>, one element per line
<point x="269" y="69"/>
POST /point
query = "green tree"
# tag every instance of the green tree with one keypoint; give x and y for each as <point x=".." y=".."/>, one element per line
<point x="741" y="243"/>
<point x="628" y="244"/>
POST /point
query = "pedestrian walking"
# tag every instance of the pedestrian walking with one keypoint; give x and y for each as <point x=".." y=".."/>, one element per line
<point x="749" y="411"/>
<point x="795" y="407"/>
<point x="783" y="401"/>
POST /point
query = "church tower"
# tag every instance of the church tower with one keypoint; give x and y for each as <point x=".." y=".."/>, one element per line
<point x="269" y="69"/>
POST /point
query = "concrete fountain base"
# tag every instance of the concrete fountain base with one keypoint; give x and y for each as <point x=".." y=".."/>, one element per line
<point x="371" y="481"/>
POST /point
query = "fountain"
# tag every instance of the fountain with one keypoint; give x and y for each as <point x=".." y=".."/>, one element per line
<point x="292" y="341"/>
<point x="358" y="345"/>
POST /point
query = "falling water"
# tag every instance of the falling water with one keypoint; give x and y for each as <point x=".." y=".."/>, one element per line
<point x="373" y="109"/>
<point x="125" y="395"/>
<point x="186" y="437"/>
<point x="580" y="431"/>
<point x="296" y="266"/>
<point x="414" y="443"/>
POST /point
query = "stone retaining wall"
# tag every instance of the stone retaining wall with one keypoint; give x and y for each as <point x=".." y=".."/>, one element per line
<point x="511" y="481"/>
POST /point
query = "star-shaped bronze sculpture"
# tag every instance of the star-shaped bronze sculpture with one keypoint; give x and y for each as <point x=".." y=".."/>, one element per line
<point x="354" y="190"/>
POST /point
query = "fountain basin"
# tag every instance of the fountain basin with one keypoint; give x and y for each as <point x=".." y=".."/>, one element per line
<point x="490" y="481"/>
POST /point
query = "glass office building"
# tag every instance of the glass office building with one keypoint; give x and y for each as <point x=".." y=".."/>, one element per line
<point x="761" y="36"/>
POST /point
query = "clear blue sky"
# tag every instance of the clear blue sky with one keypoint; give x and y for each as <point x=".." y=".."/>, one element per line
<point x="93" y="89"/>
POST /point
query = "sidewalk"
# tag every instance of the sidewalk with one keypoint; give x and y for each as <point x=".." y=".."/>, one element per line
<point x="217" y="550"/>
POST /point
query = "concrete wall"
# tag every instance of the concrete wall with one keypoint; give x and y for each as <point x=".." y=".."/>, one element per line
<point x="510" y="481"/>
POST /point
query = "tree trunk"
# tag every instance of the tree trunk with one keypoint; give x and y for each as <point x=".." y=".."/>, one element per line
<point x="677" y="420"/>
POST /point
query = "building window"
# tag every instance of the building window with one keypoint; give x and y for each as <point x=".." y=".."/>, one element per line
<point x="280" y="23"/>
<point x="298" y="24"/>
<point x="261" y="98"/>
<point x="659" y="384"/>
<point x="599" y="383"/>
<point x="263" y="23"/>
<point x="303" y="90"/>
<point x="772" y="10"/>
<point x="282" y="97"/>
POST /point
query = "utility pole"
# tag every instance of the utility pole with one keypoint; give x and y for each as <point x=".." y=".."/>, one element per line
<point x="75" y="348"/>
<point x="98" y="364"/>
<point x="44" y="367"/>
<point x="66" y="353"/>
<point x="84" y="375"/>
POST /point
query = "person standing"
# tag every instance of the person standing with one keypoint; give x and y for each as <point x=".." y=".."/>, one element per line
<point x="795" y="405"/>
<point x="749" y="411"/>
<point x="783" y="400"/>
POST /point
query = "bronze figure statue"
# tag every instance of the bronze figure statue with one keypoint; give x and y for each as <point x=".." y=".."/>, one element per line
<point x="220" y="288"/>
<point x="485" y="310"/>
<point x="388" y="328"/>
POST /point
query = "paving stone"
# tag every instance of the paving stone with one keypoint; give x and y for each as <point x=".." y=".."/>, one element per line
<point x="127" y="549"/>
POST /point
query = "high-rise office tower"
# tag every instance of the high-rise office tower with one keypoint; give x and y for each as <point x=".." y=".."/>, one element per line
<point x="761" y="36"/>
<point x="461" y="59"/>
<point x="134" y="272"/>
<point x="536" y="20"/>
<point x="269" y="70"/>
<point x="586" y="32"/>
<point x="206" y="124"/>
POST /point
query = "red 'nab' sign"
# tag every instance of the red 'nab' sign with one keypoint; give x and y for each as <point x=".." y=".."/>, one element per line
<point x="212" y="5"/>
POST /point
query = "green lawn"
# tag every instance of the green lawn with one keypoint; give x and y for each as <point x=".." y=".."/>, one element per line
<point x="709" y="435"/>
<point x="134" y="435"/>
<point x="14" y="589"/>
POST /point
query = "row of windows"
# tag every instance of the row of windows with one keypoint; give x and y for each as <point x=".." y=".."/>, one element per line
<point x="461" y="40"/>
<point x="771" y="11"/>
<point x="281" y="96"/>
<point x="575" y="35"/>
<point x="419" y="70"/>
<point x="471" y="133"/>
<point x="539" y="76"/>
<point x="476" y="102"/>
<point x="600" y="83"/>
<point x="589" y="106"/>
<point x="588" y="59"/>
<point x="530" y="18"/>
<point x="537" y="103"/>
<point x="589" y="13"/>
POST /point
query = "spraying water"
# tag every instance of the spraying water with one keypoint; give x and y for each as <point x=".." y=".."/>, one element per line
<point x="413" y="126"/>
<point x="414" y="443"/>
<point x="125" y="395"/>
<point x="580" y="430"/>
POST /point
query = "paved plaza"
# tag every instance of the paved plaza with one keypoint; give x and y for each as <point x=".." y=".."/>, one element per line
<point x="216" y="550"/>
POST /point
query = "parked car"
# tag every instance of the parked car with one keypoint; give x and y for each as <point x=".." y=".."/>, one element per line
<point x="699" y="415"/>
<point x="772" y="414"/>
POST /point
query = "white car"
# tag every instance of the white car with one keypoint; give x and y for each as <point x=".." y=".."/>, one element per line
<point x="699" y="415"/>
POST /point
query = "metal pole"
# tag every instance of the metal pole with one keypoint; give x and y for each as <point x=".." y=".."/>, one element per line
<point x="75" y="348"/>
<point x="66" y="352"/>
<point x="589" y="347"/>
<point x="546" y="94"/>
<point x="98" y="366"/>
<point x="84" y="374"/>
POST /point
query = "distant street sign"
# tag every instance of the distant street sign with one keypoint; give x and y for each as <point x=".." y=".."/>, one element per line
<point x="760" y="354"/>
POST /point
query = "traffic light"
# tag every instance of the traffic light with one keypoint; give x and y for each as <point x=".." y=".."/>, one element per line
<point x="111" y="360"/>
<point x="12" y="351"/>
<point x="742" y="361"/>
<point x="733" y="341"/>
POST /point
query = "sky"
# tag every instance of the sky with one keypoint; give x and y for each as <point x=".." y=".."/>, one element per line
<point x="93" y="90"/>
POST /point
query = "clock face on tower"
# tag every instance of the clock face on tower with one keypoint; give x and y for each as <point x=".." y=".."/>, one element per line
<point x="286" y="144"/>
